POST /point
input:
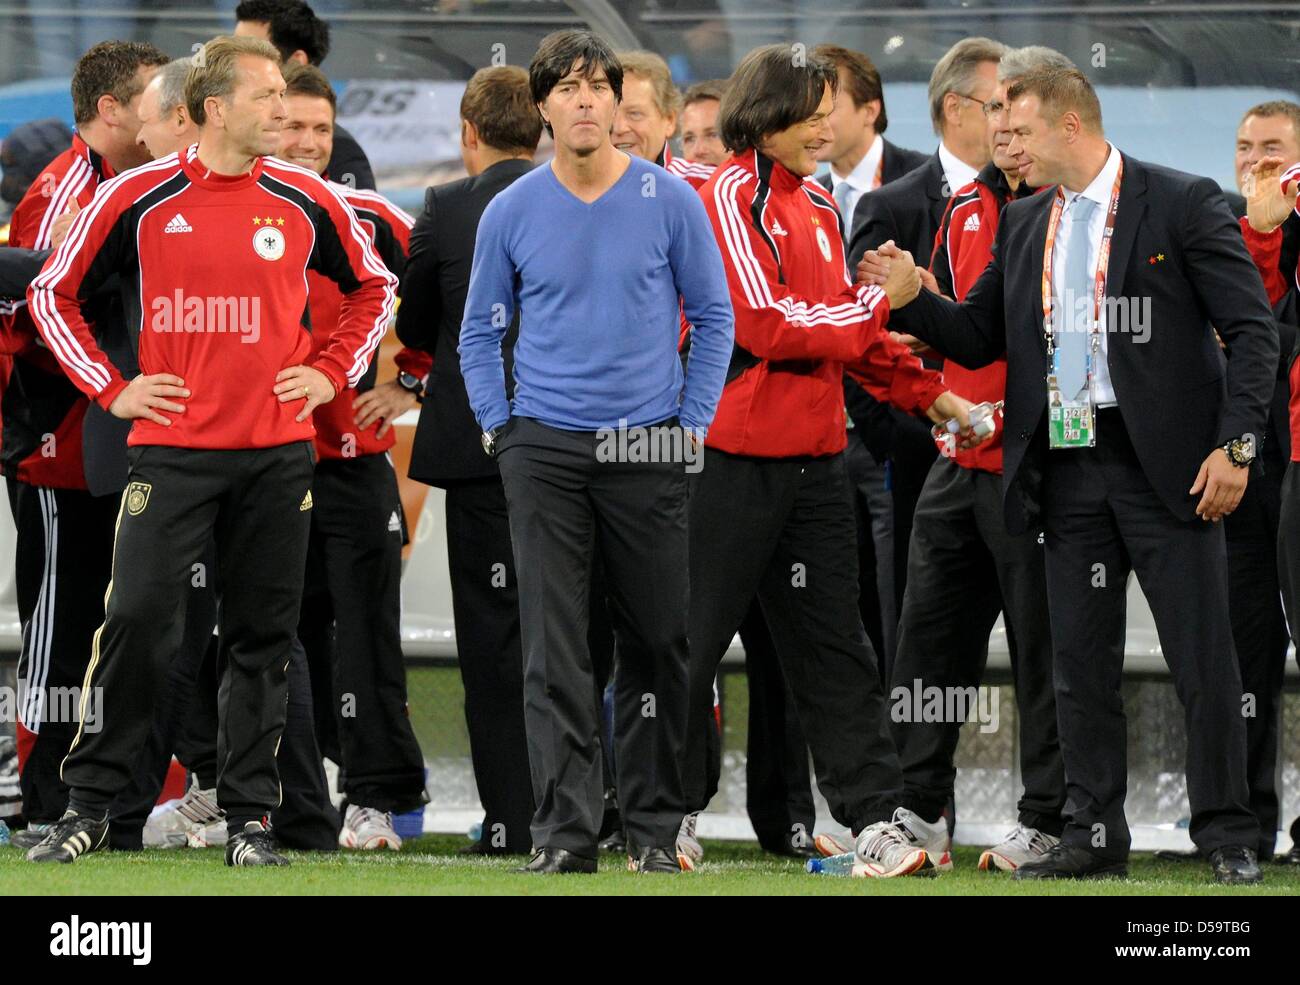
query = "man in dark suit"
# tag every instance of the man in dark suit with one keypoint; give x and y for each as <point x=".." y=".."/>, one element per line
<point x="909" y="211"/>
<point x="1259" y="626"/>
<point x="860" y="157"/>
<point x="1164" y="445"/>
<point x="500" y="130"/>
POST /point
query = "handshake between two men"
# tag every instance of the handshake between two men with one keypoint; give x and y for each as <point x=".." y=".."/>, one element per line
<point x="893" y="270"/>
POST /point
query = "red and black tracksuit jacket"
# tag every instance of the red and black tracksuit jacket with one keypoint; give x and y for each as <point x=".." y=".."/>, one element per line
<point x="203" y="253"/>
<point x="41" y="408"/>
<point x="800" y="322"/>
<point x="1266" y="249"/>
<point x="389" y="229"/>
<point x="963" y="247"/>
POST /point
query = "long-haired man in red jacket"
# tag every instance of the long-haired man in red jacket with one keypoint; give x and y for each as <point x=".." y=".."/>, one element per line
<point x="770" y="511"/>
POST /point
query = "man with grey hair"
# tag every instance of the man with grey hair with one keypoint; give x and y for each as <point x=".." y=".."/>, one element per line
<point x="165" y="124"/>
<point x="958" y="538"/>
<point x="908" y="212"/>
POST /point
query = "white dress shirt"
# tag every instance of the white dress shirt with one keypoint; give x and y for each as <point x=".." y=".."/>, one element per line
<point x="1099" y="191"/>
<point x="860" y="180"/>
<point x="956" y="172"/>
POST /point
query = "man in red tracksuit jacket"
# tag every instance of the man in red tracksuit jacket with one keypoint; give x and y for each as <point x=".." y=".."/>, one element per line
<point x="351" y="621"/>
<point x="217" y="242"/>
<point x="959" y="538"/>
<point x="64" y="524"/>
<point x="770" y="510"/>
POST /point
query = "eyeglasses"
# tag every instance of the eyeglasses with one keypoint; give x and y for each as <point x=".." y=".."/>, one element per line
<point x="990" y="107"/>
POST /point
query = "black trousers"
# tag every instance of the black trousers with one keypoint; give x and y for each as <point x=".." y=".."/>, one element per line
<point x="1288" y="571"/>
<point x="1259" y="631"/>
<point x="910" y="457"/>
<point x="1103" y="519"/>
<point x="62" y="557"/>
<point x="778" y="782"/>
<point x="784" y="529"/>
<point x="485" y="602"/>
<point x="175" y="713"/>
<point x="874" y="508"/>
<point x="964" y="569"/>
<point x="351" y="628"/>
<point x="254" y="503"/>
<point x="563" y="500"/>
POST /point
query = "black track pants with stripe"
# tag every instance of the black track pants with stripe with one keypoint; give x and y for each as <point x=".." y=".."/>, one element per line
<point x="61" y="559"/>
<point x="255" y="503"/>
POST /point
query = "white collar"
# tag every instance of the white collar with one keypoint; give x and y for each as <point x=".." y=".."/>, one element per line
<point x="863" y="177"/>
<point x="958" y="172"/>
<point x="1100" y="189"/>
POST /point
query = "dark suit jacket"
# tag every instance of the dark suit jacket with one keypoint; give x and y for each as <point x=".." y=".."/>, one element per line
<point x="18" y="268"/>
<point x="908" y="211"/>
<point x="447" y="446"/>
<point x="1178" y="397"/>
<point x="895" y="162"/>
<point x="103" y="436"/>
<point x="1277" y="449"/>
<point x="348" y="158"/>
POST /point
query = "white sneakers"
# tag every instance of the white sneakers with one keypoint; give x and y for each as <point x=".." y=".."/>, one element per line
<point x="194" y="821"/>
<point x="689" y="849"/>
<point x="368" y="829"/>
<point x="1022" y="845"/>
<point x="903" y="846"/>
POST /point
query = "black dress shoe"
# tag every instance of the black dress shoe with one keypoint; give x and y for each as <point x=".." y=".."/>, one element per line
<point x="1070" y="862"/>
<point x="1177" y="855"/>
<point x="788" y="849"/>
<point x="615" y="842"/>
<point x="1290" y="858"/>
<point x="655" y="860"/>
<point x="558" y="861"/>
<point x="1235" y="865"/>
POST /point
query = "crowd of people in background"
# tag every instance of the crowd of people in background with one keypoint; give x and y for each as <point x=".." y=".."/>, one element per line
<point x="748" y="274"/>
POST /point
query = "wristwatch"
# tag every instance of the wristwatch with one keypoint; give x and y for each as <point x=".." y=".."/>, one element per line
<point x="1240" y="451"/>
<point x="412" y="384"/>
<point x="489" y="440"/>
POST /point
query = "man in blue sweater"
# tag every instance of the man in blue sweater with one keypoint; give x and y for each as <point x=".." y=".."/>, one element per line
<point x="595" y="252"/>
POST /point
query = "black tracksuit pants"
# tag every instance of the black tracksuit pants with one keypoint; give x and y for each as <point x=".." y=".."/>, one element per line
<point x="785" y="529"/>
<point x="254" y="503"/>
<point x="964" y="569"/>
<point x="351" y="629"/>
<point x="485" y="602"/>
<point x="563" y="501"/>
<point x="61" y="567"/>
<point x="1288" y="569"/>
<point x="1103" y="519"/>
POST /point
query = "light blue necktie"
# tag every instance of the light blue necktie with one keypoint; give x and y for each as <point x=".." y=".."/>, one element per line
<point x="1070" y="329"/>
<point x="841" y="195"/>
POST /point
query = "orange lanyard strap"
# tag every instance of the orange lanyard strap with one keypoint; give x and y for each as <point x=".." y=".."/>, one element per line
<point x="1103" y="261"/>
<point x="880" y="171"/>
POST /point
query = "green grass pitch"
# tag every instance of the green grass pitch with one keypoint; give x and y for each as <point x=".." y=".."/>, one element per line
<point x="430" y="865"/>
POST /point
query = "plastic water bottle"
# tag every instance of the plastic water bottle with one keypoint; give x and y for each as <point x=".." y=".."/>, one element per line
<point x="834" y="865"/>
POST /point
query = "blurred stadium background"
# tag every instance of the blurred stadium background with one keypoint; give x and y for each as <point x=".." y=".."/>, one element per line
<point x="1173" y="78"/>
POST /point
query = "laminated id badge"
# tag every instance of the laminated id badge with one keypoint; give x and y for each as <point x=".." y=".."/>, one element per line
<point x="1070" y="423"/>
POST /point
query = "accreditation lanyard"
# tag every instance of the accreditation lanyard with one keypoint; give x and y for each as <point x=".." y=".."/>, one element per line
<point x="880" y="172"/>
<point x="1072" y="423"/>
